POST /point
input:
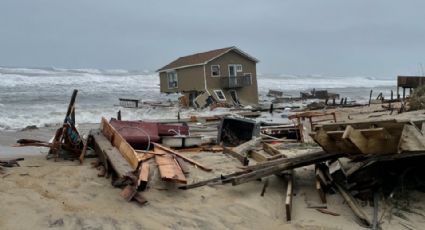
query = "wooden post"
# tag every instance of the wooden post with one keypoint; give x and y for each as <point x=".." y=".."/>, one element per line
<point x="271" y="108"/>
<point x="370" y="97"/>
<point x="404" y="93"/>
<point x="288" y="199"/>
<point x="119" y="115"/>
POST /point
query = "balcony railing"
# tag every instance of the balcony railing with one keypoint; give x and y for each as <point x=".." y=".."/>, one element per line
<point x="235" y="81"/>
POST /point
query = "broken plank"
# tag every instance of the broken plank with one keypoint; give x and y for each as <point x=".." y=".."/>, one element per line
<point x="142" y="181"/>
<point x="169" y="168"/>
<point x="181" y="156"/>
<point x="288" y="199"/>
<point x="257" y="156"/>
<point x="243" y="159"/>
<point x="270" y="149"/>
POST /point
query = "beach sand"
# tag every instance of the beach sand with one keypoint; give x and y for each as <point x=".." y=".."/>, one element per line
<point x="44" y="194"/>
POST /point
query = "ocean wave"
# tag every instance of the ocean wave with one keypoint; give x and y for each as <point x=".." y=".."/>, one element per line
<point x="40" y="96"/>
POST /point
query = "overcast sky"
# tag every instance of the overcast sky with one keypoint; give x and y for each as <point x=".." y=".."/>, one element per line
<point x="335" y="37"/>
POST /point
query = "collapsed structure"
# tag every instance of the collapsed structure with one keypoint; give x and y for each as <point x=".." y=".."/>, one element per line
<point x="226" y="75"/>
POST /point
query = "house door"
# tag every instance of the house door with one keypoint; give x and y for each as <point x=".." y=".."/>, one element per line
<point x="234" y="97"/>
<point x="232" y="70"/>
<point x="232" y="76"/>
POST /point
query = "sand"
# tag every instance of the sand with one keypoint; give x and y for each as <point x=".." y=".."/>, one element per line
<point x="44" y="194"/>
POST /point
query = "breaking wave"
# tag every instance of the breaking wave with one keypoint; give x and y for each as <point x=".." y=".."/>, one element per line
<point x="39" y="96"/>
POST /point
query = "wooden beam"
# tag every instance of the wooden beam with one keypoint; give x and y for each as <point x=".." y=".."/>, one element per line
<point x="243" y="159"/>
<point x="142" y="181"/>
<point x="288" y="199"/>
<point x="257" y="156"/>
<point x="270" y="149"/>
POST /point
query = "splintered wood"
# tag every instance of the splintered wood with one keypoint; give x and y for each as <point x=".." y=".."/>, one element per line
<point x="168" y="166"/>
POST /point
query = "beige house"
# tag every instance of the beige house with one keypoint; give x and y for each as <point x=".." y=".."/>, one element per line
<point x="222" y="75"/>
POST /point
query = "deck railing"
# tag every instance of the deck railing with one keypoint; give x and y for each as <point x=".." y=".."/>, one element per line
<point x="236" y="81"/>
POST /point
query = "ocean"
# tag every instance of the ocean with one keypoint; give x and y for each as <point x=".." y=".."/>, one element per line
<point x="39" y="96"/>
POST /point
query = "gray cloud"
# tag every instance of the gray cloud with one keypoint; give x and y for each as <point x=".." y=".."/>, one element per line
<point x="375" y="38"/>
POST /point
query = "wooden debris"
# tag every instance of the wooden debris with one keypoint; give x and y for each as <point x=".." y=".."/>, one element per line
<point x="288" y="199"/>
<point x="142" y="181"/>
<point x="266" y="184"/>
<point x="83" y="152"/>
<point x="291" y="163"/>
<point x="168" y="167"/>
<point x="325" y="211"/>
<point x="353" y="205"/>
<point x="129" y="192"/>
<point x="11" y="162"/>
<point x="120" y="143"/>
<point x="110" y="155"/>
<point x="140" y="199"/>
<point x="270" y="149"/>
<point x="158" y="146"/>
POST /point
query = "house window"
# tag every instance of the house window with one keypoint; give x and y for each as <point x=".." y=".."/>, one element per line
<point x="215" y="70"/>
<point x="220" y="95"/>
<point x="239" y="68"/>
<point x="172" y="80"/>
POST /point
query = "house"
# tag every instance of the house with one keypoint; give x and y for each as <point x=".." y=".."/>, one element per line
<point x="223" y="75"/>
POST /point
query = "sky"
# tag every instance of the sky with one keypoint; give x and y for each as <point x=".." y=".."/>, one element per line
<point x="381" y="38"/>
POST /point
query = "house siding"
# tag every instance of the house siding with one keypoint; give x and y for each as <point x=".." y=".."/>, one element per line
<point x="246" y="95"/>
<point x="189" y="79"/>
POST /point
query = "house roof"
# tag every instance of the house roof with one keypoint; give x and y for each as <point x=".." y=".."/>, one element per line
<point x="201" y="58"/>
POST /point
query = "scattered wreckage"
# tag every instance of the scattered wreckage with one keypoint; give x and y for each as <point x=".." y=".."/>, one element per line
<point x="358" y="160"/>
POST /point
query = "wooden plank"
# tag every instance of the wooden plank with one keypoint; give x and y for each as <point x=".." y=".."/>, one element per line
<point x="270" y="149"/>
<point x="142" y="181"/>
<point x="243" y="159"/>
<point x="158" y="146"/>
<point x="83" y="152"/>
<point x="182" y="165"/>
<point x="288" y="199"/>
<point x="257" y="156"/>
<point x="168" y="167"/>
<point x="120" y="143"/>
<point x="113" y="156"/>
